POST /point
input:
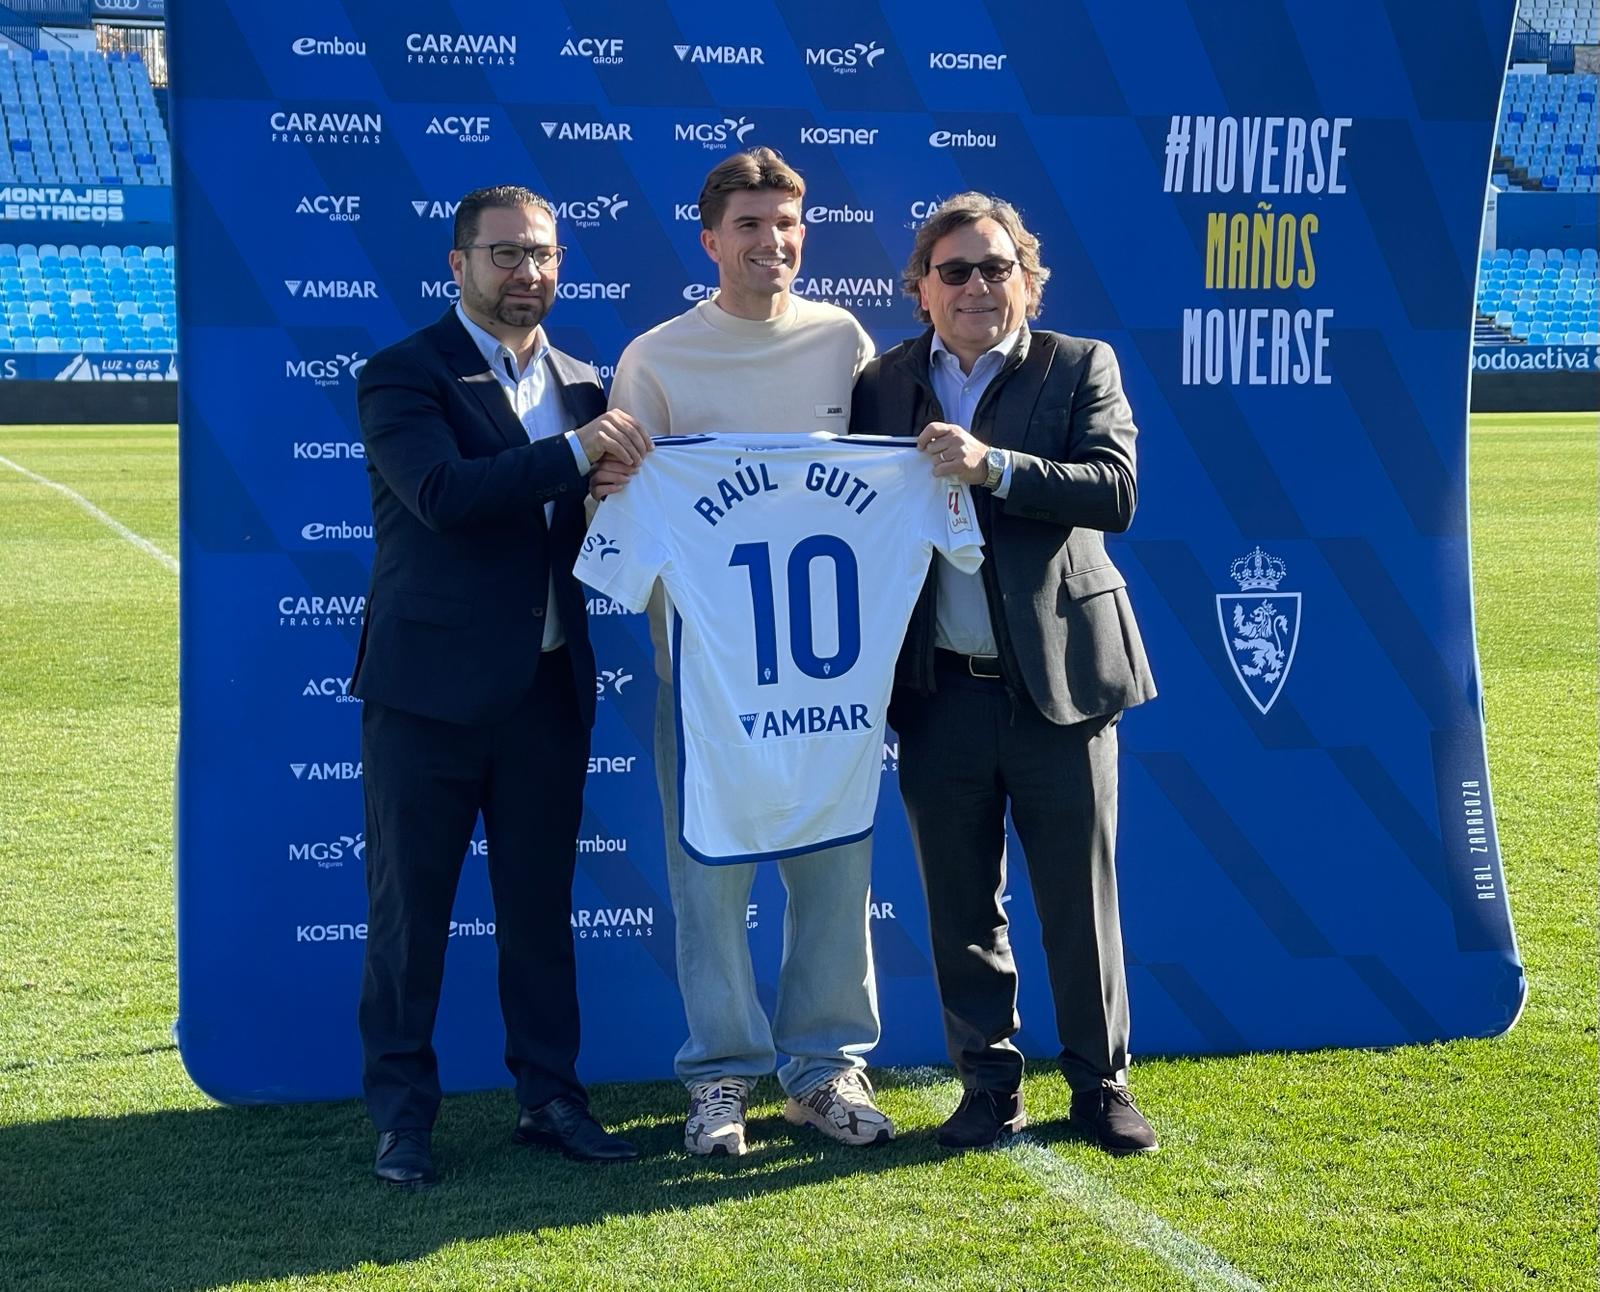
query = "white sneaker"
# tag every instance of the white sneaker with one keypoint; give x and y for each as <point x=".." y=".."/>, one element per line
<point x="716" y="1117"/>
<point x="842" y="1108"/>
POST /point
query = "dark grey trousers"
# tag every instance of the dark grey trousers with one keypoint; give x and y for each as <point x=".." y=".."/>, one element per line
<point x="964" y="757"/>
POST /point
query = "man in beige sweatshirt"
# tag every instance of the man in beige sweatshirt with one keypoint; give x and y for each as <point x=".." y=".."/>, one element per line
<point x="755" y="358"/>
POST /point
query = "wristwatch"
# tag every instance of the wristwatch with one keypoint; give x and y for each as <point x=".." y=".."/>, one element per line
<point x="995" y="460"/>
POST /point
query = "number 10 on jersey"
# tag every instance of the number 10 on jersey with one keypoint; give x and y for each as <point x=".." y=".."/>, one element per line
<point x="757" y="559"/>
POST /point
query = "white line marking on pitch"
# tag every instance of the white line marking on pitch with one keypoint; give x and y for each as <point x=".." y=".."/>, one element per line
<point x="1194" y="1261"/>
<point x="116" y="526"/>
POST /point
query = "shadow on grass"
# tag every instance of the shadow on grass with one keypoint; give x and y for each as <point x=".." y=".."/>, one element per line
<point x="186" y="1200"/>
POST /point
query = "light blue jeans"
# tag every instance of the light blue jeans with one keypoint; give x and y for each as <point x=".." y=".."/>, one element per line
<point x="827" y="1014"/>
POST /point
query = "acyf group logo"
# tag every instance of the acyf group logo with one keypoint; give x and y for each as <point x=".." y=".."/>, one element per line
<point x="464" y="130"/>
<point x="339" y="208"/>
<point x="603" y="50"/>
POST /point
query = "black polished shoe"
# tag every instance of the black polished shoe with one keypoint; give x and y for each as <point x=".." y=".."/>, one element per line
<point x="1107" y="1116"/>
<point x="983" y="1119"/>
<point x="567" y="1125"/>
<point x="405" y="1159"/>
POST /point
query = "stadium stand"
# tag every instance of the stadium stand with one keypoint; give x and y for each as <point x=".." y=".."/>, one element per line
<point x="90" y="299"/>
<point x="1546" y="139"/>
<point x="80" y="117"/>
<point x="1538" y="297"/>
<point x="1567" y="22"/>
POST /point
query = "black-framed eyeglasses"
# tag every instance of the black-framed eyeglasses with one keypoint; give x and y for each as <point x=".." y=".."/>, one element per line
<point x="508" y="255"/>
<point x="953" y="273"/>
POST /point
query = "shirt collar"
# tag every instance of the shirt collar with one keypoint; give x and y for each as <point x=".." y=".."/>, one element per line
<point x="997" y="353"/>
<point x="496" y="352"/>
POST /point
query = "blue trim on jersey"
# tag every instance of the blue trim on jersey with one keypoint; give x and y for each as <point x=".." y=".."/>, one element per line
<point x="674" y="440"/>
<point x="877" y="441"/>
<point x="677" y="722"/>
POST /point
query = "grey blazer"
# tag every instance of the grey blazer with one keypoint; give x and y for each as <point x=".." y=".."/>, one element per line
<point x="1060" y="608"/>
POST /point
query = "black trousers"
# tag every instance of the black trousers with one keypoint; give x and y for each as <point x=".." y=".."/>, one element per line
<point x="964" y="757"/>
<point x="426" y="782"/>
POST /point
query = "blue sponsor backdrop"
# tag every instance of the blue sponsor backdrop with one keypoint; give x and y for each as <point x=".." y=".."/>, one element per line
<point x="1270" y="209"/>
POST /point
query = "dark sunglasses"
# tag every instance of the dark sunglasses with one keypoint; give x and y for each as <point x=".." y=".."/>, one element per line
<point x="953" y="273"/>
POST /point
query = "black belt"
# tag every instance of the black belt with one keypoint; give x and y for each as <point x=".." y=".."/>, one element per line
<point x="984" y="666"/>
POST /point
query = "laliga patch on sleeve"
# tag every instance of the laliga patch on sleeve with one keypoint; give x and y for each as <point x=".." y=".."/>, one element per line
<point x="960" y="516"/>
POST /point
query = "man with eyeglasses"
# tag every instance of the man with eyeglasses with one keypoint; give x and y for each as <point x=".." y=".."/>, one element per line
<point x="477" y="676"/>
<point x="1011" y="680"/>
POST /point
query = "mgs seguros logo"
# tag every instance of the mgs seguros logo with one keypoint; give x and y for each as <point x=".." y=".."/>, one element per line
<point x="325" y="372"/>
<point x="846" y="60"/>
<point x="714" y="136"/>
<point x="591" y="213"/>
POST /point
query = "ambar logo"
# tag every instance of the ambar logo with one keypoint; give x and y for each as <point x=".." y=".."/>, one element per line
<point x="427" y="210"/>
<point x="331" y="289"/>
<point x="588" y="132"/>
<point x="722" y="54"/>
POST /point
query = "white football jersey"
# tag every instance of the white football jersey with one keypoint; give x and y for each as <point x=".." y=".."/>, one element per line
<point x="791" y="564"/>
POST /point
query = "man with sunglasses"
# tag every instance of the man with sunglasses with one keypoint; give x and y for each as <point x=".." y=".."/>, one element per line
<point x="1011" y="680"/>
<point x="477" y="676"/>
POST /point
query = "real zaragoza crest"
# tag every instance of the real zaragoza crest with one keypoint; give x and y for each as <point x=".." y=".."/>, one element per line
<point x="1259" y="631"/>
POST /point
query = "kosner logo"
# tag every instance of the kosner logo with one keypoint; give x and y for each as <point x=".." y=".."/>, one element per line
<point x="954" y="62"/>
<point x="327" y="450"/>
<point x="604" y="50"/>
<point x="341" y="209"/>
<point x="589" y="214"/>
<point x="461" y="49"/>
<point x="714" y="136"/>
<point x="846" y="60"/>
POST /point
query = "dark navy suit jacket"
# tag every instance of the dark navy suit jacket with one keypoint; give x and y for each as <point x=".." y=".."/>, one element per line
<point x="455" y="615"/>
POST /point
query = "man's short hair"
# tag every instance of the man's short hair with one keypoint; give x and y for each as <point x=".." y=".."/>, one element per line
<point x="470" y="209"/>
<point x="964" y="209"/>
<point x="747" y="172"/>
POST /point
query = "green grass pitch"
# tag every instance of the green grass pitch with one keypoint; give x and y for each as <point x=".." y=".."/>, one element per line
<point x="1463" y="1166"/>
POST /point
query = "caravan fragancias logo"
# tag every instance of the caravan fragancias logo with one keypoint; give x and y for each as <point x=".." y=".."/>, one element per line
<point x="1260" y="626"/>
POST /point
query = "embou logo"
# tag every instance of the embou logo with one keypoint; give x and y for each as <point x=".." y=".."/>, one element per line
<point x="310" y="45"/>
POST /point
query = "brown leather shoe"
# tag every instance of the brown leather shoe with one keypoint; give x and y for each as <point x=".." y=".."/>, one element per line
<point x="1107" y="1115"/>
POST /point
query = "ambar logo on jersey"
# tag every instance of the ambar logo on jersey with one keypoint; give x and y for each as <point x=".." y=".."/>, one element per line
<point x="806" y="720"/>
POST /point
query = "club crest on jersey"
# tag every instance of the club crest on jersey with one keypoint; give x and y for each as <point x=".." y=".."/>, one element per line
<point x="805" y="720"/>
<point x="1259" y="632"/>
